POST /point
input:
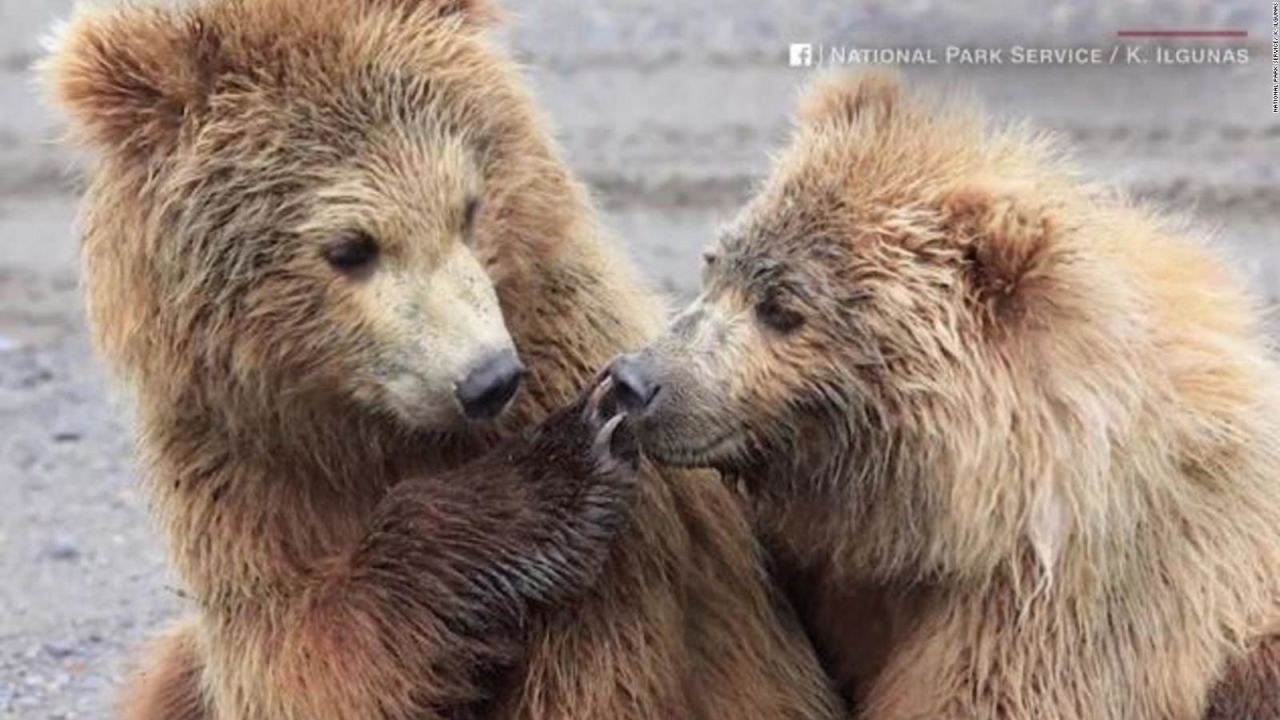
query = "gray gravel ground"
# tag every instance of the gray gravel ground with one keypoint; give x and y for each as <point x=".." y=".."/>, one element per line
<point x="669" y="110"/>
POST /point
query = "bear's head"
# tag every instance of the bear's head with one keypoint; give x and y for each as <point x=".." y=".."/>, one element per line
<point x="903" y="310"/>
<point x="292" y="201"/>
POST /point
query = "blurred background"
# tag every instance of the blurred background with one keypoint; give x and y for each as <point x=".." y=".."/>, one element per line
<point x="668" y="110"/>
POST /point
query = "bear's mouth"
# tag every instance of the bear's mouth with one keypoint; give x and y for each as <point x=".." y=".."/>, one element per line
<point x="720" y="449"/>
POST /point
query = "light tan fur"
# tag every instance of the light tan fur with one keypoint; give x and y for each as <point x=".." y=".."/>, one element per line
<point x="280" y="405"/>
<point x="1016" y="438"/>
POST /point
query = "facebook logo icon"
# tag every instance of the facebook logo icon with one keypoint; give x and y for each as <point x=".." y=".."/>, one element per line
<point x="801" y="55"/>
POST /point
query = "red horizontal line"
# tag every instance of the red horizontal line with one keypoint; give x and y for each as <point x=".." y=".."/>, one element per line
<point x="1206" y="34"/>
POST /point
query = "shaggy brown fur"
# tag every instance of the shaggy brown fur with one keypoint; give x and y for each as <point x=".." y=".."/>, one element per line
<point x="169" y="686"/>
<point x="280" y="404"/>
<point x="450" y="567"/>
<point x="1017" y="440"/>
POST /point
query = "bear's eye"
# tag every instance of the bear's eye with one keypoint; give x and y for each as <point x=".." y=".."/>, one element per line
<point x="352" y="252"/>
<point x="469" y="215"/>
<point x="778" y="317"/>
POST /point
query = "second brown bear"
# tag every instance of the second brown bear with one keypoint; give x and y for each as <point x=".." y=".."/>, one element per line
<point x="1017" y="440"/>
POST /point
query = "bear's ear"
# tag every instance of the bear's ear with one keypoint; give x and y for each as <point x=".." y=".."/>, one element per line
<point x="1009" y="247"/>
<point x="126" y="78"/>
<point x="473" y="13"/>
<point x="851" y="98"/>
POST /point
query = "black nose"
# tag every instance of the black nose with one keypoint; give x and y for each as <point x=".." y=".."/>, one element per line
<point x="633" y="381"/>
<point x="489" y="386"/>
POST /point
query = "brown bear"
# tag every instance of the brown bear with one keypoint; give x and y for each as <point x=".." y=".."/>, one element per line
<point x="1016" y="439"/>
<point x="325" y="243"/>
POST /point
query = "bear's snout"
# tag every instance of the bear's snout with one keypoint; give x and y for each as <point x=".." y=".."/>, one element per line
<point x="635" y="382"/>
<point x="490" y="385"/>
